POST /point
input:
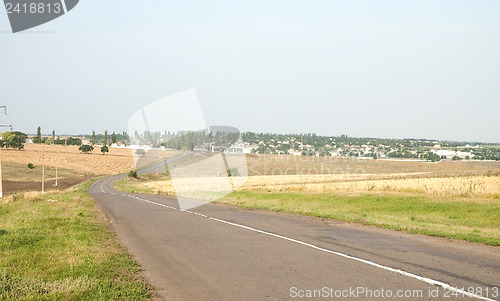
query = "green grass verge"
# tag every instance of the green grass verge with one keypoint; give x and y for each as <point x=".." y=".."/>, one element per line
<point x="132" y="185"/>
<point x="60" y="247"/>
<point x="465" y="220"/>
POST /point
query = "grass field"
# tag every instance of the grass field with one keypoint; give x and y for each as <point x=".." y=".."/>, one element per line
<point x="459" y="200"/>
<point x="138" y="185"/>
<point x="472" y="188"/>
<point x="60" y="247"/>
<point x="477" y="221"/>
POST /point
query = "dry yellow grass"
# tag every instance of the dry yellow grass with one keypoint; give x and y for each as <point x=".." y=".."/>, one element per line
<point x="447" y="187"/>
<point x="28" y="196"/>
<point x="340" y="175"/>
<point x="253" y="182"/>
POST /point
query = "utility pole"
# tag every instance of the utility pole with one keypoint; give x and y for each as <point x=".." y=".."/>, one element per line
<point x="43" y="169"/>
<point x="302" y="144"/>
<point x="1" y="185"/>
<point x="66" y="149"/>
<point x="1" y="188"/>
<point x="57" y="160"/>
<point x="3" y="125"/>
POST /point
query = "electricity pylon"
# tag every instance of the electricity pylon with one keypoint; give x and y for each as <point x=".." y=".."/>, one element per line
<point x="3" y="125"/>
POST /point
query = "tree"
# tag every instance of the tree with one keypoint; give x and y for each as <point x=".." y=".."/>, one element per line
<point x="53" y="136"/>
<point x="13" y="140"/>
<point x="113" y="138"/>
<point x="433" y="157"/>
<point x="104" y="149"/>
<point x="38" y="138"/>
<point x="93" y="138"/>
<point x="86" y="148"/>
<point x="74" y="141"/>
<point x="190" y="141"/>
<point x="105" y="137"/>
<point x="125" y="138"/>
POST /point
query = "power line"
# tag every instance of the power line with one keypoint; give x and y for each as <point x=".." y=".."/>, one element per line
<point x="7" y="124"/>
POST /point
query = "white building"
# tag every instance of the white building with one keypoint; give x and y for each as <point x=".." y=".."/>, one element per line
<point x="449" y="154"/>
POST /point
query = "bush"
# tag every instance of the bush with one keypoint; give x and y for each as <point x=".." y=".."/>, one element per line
<point x="433" y="157"/>
<point x="104" y="149"/>
<point x="86" y="148"/>
<point x="132" y="174"/>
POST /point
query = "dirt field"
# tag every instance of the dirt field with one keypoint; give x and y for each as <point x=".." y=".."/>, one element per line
<point x="15" y="186"/>
<point x="73" y="167"/>
<point x="261" y="165"/>
<point x="69" y="157"/>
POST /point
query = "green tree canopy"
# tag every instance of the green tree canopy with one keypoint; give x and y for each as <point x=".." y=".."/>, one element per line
<point x="86" y="148"/>
<point x="104" y="149"/>
<point x="13" y="140"/>
<point x="38" y="138"/>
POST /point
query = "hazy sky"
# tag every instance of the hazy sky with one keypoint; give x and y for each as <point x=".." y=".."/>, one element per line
<point x="395" y="69"/>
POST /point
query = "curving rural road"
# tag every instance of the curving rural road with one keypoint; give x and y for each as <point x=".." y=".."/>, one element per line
<point x="216" y="252"/>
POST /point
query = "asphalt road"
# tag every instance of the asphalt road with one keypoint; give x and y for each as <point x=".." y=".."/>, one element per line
<point x="216" y="252"/>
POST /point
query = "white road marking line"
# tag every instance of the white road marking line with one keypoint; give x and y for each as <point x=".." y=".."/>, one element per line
<point x="407" y="274"/>
<point x="196" y="213"/>
<point x="102" y="187"/>
<point x="411" y="275"/>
